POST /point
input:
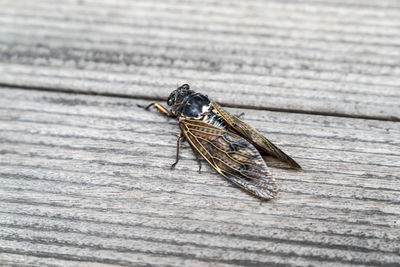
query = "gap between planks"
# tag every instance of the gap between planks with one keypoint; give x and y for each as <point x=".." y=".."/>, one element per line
<point x="146" y="97"/>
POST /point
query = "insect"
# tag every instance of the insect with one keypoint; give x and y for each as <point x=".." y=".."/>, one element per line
<point x="231" y="146"/>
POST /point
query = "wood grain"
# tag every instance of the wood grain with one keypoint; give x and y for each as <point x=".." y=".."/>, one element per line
<point x="86" y="180"/>
<point x="85" y="176"/>
<point x="324" y="57"/>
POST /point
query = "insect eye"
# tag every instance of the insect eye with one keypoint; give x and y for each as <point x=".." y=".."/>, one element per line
<point x="170" y="102"/>
<point x="185" y="86"/>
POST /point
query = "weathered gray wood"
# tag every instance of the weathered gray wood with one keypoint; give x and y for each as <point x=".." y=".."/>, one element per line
<point x="335" y="57"/>
<point x="86" y="180"/>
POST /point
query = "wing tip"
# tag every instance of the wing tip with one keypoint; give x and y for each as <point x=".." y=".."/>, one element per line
<point x="266" y="190"/>
<point x="294" y="164"/>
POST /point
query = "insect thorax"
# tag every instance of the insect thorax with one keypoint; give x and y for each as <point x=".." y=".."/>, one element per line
<point x="198" y="107"/>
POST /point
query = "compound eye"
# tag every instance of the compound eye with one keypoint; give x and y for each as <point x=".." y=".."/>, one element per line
<point x="170" y="102"/>
<point x="185" y="86"/>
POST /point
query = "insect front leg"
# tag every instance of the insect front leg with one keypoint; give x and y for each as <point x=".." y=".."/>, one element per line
<point x="160" y="109"/>
<point x="180" y="136"/>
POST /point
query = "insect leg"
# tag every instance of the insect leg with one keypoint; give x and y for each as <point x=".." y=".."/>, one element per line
<point x="240" y="116"/>
<point x="160" y="109"/>
<point x="196" y="154"/>
<point x="180" y="135"/>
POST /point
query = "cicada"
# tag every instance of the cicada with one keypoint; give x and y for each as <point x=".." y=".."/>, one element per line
<point x="230" y="145"/>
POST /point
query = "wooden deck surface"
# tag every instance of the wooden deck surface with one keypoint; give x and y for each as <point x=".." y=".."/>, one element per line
<point x="85" y="175"/>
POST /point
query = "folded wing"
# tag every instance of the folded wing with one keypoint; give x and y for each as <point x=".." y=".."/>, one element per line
<point x="253" y="136"/>
<point x="232" y="156"/>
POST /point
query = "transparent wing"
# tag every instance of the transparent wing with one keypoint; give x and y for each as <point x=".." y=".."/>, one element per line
<point x="232" y="156"/>
<point x="253" y="136"/>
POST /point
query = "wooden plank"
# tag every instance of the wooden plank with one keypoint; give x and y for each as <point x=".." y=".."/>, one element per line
<point x="309" y="57"/>
<point x="86" y="180"/>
